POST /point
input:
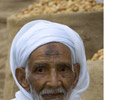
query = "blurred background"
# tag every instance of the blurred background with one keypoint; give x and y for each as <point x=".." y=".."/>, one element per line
<point x="84" y="16"/>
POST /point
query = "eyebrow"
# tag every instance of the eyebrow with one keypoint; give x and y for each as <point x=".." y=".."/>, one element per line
<point x="63" y="64"/>
<point x="45" y="64"/>
<point x="41" y="64"/>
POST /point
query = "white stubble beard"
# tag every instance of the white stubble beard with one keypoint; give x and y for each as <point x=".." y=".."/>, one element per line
<point x="40" y="97"/>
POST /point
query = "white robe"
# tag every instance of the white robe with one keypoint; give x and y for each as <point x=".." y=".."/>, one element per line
<point x="20" y="96"/>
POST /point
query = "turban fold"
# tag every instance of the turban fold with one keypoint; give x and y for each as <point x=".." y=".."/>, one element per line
<point x="39" y="32"/>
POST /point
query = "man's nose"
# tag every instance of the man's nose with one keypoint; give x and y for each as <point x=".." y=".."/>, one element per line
<point x="54" y="80"/>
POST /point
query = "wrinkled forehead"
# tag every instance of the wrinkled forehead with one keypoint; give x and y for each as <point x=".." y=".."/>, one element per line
<point x="56" y="49"/>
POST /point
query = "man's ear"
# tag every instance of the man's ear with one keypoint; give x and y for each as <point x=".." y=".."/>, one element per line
<point x="20" y="75"/>
<point x="76" y="76"/>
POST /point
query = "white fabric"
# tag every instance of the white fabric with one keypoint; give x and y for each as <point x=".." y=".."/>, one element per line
<point x="20" y="96"/>
<point x="39" y="32"/>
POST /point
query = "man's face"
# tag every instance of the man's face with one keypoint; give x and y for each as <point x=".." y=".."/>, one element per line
<point x="50" y="72"/>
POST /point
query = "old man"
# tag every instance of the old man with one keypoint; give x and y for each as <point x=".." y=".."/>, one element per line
<point x="48" y="62"/>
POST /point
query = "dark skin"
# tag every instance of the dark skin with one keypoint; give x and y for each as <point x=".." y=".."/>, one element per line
<point x="50" y="67"/>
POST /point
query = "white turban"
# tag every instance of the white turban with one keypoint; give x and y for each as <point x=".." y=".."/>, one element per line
<point x="39" y="32"/>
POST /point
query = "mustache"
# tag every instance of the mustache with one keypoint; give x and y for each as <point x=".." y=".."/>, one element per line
<point x="53" y="91"/>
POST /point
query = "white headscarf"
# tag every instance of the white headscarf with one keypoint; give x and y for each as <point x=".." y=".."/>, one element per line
<point x="39" y="32"/>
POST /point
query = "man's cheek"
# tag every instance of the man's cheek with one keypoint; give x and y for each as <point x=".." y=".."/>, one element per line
<point x="37" y="83"/>
<point x="67" y="78"/>
<point x="67" y="83"/>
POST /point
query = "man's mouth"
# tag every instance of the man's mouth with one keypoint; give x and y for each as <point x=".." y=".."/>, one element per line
<point x="54" y="95"/>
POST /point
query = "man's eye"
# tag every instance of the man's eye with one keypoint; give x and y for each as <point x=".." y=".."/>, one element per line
<point x="40" y="70"/>
<point x="64" y="69"/>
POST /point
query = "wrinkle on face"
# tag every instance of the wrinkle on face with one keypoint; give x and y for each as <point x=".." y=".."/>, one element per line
<point x="50" y="67"/>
